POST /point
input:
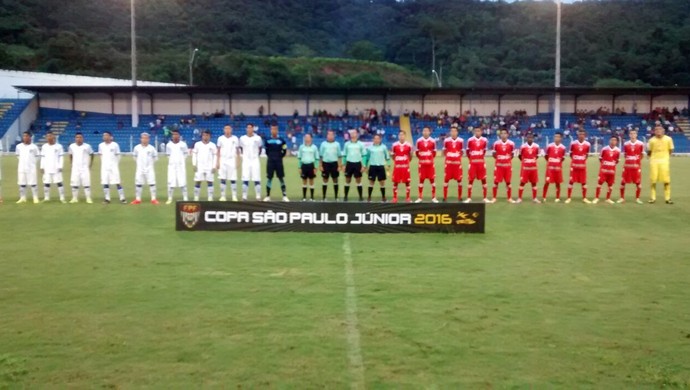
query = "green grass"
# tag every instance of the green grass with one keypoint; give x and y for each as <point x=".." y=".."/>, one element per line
<point x="552" y="296"/>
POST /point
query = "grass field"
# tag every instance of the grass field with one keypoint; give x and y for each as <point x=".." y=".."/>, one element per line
<point x="552" y="296"/>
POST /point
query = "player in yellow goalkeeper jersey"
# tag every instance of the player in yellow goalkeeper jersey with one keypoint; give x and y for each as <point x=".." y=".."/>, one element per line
<point x="659" y="150"/>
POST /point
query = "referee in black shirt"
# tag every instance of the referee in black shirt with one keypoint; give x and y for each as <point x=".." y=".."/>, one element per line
<point x="276" y="148"/>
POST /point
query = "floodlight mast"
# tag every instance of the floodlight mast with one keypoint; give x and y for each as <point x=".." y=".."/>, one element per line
<point x="192" y="57"/>
<point x="135" y="100"/>
<point x="557" y="96"/>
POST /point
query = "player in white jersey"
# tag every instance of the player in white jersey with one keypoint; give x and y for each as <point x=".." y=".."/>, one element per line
<point x="177" y="152"/>
<point x="145" y="156"/>
<point x="250" y="151"/>
<point x="81" y="157"/>
<point x="51" y="167"/>
<point x="228" y="147"/>
<point x="110" y="167"/>
<point x="204" y="161"/>
<point x="27" y="152"/>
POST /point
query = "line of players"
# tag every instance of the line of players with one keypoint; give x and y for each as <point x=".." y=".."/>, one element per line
<point x="353" y="159"/>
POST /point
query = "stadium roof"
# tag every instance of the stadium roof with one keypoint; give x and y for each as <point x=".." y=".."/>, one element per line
<point x="176" y="89"/>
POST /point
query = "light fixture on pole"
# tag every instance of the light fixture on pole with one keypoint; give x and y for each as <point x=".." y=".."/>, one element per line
<point x="135" y="100"/>
<point x="438" y="79"/>
<point x="192" y="57"/>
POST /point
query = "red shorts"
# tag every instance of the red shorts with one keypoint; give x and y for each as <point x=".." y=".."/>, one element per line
<point x="503" y="174"/>
<point x="608" y="178"/>
<point x="477" y="171"/>
<point x="427" y="172"/>
<point x="529" y="176"/>
<point x="632" y="175"/>
<point x="578" y="175"/>
<point x="452" y="172"/>
<point x="554" y="176"/>
<point x="401" y="175"/>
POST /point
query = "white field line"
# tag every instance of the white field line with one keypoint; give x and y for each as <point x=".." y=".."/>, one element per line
<point x="354" y="351"/>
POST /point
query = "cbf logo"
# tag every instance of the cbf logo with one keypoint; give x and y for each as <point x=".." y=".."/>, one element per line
<point x="190" y="213"/>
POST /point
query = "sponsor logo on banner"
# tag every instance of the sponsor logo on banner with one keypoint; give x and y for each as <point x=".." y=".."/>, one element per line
<point x="331" y="217"/>
<point x="190" y="213"/>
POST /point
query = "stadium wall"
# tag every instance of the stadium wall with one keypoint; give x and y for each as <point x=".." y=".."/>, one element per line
<point x="286" y="104"/>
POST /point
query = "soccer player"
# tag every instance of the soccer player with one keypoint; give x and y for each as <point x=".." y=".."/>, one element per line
<point x="110" y="167"/>
<point x="204" y="162"/>
<point x="228" y="155"/>
<point x="51" y="167"/>
<point x="402" y="155"/>
<point x="503" y="152"/>
<point x="330" y="165"/>
<point x="529" y="154"/>
<point x="608" y="159"/>
<point x="555" y="154"/>
<point x="27" y="152"/>
<point x="353" y="155"/>
<point x="377" y="161"/>
<point x="659" y="149"/>
<point x="250" y="151"/>
<point x="177" y="152"/>
<point x="453" y="148"/>
<point x="579" y="151"/>
<point x="81" y="157"/>
<point x="632" y="170"/>
<point x="307" y="157"/>
<point x="276" y="148"/>
<point x="426" y="153"/>
<point x="476" y="150"/>
<point x="145" y="156"/>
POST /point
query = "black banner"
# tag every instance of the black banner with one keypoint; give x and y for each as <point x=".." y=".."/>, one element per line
<point x="331" y="217"/>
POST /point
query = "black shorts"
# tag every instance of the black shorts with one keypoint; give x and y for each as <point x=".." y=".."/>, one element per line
<point x="307" y="171"/>
<point x="353" y="169"/>
<point x="330" y="169"/>
<point x="377" y="173"/>
<point x="275" y="167"/>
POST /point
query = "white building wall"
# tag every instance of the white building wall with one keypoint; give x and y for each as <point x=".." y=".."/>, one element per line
<point x="287" y="104"/>
<point x="398" y="104"/>
<point x="484" y="104"/>
<point x="61" y="101"/>
<point x="249" y="104"/>
<point x="209" y="103"/>
<point x="433" y="104"/>
<point x="594" y="102"/>
<point x="670" y="101"/>
<point x="169" y="104"/>
<point x="512" y="103"/>
<point x="360" y="103"/>
<point x="332" y="104"/>
<point x="92" y="102"/>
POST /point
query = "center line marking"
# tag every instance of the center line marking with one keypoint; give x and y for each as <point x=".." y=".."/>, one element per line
<point x="354" y="350"/>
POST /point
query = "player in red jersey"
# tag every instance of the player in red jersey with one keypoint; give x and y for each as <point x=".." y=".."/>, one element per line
<point x="426" y="152"/>
<point x="608" y="158"/>
<point x="529" y="173"/>
<point x="476" y="150"/>
<point x="503" y="152"/>
<point x="402" y="155"/>
<point x="453" y="147"/>
<point x="632" y="170"/>
<point x="555" y="154"/>
<point x="579" y="151"/>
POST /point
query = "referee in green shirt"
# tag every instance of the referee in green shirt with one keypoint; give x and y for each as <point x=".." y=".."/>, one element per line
<point x="377" y="161"/>
<point x="330" y="153"/>
<point x="353" y="157"/>
<point x="307" y="156"/>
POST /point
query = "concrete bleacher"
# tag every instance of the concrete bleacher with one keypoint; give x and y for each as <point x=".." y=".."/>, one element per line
<point x="10" y="109"/>
<point x="66" y="123"/>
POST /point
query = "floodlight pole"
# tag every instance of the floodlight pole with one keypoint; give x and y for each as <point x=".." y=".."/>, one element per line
<point x="135" y="100"/>
<point x="557" y="96"/>
<point x="192" y="57"/>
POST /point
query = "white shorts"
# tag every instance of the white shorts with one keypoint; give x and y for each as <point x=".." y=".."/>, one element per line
<point x="203" y="175"/>
<point x="177" y="176"/>
<point x="251" y="170"/>
<point x="110" y="176"/>
<point x="80" y="178"/>
<point x="228" y="170"/>
<point x="145" y="177"/>
<point x="52" y="178"/>
<point x="26" y="178"/>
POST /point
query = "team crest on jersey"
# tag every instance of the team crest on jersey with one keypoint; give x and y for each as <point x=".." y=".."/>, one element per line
<point x="190" y="213"/>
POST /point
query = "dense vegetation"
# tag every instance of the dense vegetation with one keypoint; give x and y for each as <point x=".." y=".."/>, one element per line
<point x="287" y="42"/>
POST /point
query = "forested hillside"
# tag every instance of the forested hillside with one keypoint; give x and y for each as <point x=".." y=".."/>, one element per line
<point x="304" y="42"/>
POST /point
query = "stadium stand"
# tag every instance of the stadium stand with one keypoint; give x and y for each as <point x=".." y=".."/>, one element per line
<point x="66" y="123"/>
<point x="10" y="109"/>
